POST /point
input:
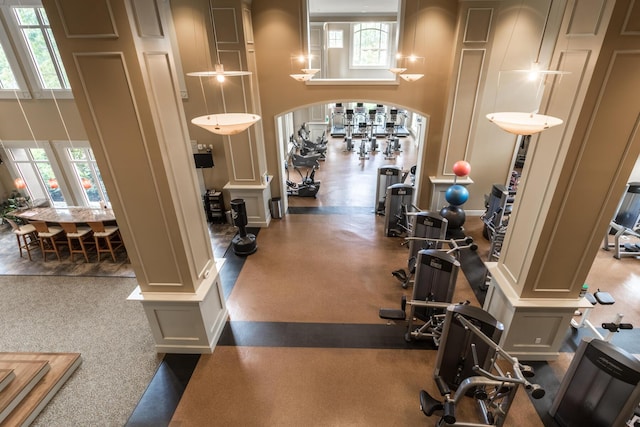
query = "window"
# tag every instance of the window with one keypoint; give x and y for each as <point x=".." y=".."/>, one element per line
<point x="7" y="78"/>
<point x="33" y="24"/>
<point x="31" y="162"/>
<point x="335" y="39"/>
<point x="86" y="175"/>
<point x="370" y="45"/>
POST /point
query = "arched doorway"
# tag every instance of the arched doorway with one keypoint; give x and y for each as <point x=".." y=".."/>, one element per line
<point x="347" y="178"/>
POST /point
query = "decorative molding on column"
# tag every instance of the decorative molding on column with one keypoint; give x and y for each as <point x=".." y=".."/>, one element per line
<point x="147" y="17"/>
<point x="240" y="151"/>
<point x="631" y="26"/>
<point x="583" y="21"/>
<point x="185" y="323"/>
<point x="478" y="25"/>
<point x="97" y="19"/>
<point x="463" y="114"/>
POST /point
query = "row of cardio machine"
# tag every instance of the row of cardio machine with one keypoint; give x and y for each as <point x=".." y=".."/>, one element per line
<point x="368" y="126"/>
<point x="601" y="387"/>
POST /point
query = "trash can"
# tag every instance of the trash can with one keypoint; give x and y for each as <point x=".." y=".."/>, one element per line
<point x="276" y="207"/>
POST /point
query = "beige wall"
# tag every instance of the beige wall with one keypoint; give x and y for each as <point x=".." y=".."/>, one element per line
<point x="276" y="28"/>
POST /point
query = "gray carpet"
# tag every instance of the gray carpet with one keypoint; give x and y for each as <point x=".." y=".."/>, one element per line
<point x="93" y="318"/>
<point x="13" y="264"/>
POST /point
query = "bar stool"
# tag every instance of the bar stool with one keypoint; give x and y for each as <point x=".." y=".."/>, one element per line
<point x="107" y="238"/>
<point x="78" y="235"/>
<point x="26" y="235"/>
<point x="48" y="236"/>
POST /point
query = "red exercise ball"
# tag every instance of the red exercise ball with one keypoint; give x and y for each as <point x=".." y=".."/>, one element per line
<point x="461" y="168"/>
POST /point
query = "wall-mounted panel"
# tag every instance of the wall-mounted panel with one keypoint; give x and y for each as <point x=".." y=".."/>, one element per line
<point x="248" y="25"/>
<point x="631" y="25"/>
<point x="478" y="25"/>
<point x="226" y="30"/>
<point x="469" y="73"/>
<point x="87" y="19"/>
<point x="241" y="151"/>
<point x="147" y="16"/>
<point x="583" y="19"/>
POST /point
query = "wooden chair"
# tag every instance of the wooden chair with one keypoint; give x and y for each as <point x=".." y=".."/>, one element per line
<point x="76" y="237"/>
<point x="48" y="238"/>
<point x="107" y="238"/>
<point x="26" y="235"/>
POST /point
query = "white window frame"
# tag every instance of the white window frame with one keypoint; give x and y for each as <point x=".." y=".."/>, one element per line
<point x="15" y="172"/>
<point x="24" y="53"/>
<point x="352" y="47"/>
<point x="75" y="185"/>
<point x="331" y="40"/>
<point x="23" y="90"/>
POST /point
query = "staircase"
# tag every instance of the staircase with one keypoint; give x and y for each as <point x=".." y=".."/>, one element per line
<point x="28" y="381"/>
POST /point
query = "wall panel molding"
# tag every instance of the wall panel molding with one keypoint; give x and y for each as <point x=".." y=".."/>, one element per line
<point x="97" y="19"/>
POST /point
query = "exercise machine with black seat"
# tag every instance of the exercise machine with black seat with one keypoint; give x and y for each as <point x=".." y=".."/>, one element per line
<point x="602" y="298"/>
<point x="436" y="274"/>
<point x="467" y="362"/>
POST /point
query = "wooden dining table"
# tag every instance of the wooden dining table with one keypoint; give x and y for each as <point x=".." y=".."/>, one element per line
<point x="65" y="214"/>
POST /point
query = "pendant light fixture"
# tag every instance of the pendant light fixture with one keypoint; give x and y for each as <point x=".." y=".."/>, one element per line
<point x="523" y="123"/>
<point x="224" y="123"/>
<point x="403" y="62"/>
<point x="302" y="59"/>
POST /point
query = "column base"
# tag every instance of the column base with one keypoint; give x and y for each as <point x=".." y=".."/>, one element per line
<point x="185" y="323"/>
<point x="534" y="328"/>
<point x="256" y="199"/>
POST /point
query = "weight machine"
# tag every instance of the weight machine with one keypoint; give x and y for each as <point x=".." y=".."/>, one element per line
<point x="603" y="298"/>
<point x="397" y="207"/>
<point x="387" y="176"/>
<point x="436" y="275"/>
<point x="467" y="362"/>
<point x="600" y="389"/>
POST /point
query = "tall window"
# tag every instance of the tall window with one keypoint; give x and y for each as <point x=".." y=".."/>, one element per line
<point x="87" y="175"/>
<point x="33" y="24"/>
<point x="7" y="78"/>
<point x="370" y="45"/>
<point x="335" y="39"/>
<point x="32" y="164"/>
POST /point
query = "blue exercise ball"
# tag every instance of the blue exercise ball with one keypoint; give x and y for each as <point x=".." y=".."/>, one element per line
<point x="455" y="216"/>
<point x="456" y="195"/>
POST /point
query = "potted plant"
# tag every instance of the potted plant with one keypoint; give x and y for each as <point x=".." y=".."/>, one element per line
<point x="16" y="200"/>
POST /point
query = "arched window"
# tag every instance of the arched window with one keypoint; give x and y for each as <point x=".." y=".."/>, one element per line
<point x="370" y="45"/>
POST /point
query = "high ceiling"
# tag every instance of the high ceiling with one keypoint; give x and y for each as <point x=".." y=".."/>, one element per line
<point x="350" y="7"/>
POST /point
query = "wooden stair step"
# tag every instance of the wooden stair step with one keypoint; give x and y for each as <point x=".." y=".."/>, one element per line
<point x="6" y="376"/>
<point x="28" y="373"/>
<point x="61" y="366"/>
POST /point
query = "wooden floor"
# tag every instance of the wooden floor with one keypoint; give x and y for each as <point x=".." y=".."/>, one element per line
<point x="36" y="377"/>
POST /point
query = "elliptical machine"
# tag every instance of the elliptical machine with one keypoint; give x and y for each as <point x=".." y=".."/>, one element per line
<point x="308" y="186"/>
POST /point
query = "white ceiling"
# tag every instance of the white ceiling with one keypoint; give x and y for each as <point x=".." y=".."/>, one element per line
<point x="350" y="7"/>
